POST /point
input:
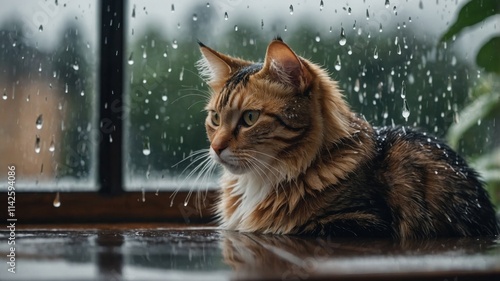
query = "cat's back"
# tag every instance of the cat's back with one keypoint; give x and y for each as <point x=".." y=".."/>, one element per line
<point x="429" y="188"/>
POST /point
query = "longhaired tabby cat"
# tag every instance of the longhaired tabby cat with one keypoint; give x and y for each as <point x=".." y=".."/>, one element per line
<point x="297" y="160"/>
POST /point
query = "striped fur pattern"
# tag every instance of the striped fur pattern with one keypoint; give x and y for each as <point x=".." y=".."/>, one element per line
<point x="297" y="160"/>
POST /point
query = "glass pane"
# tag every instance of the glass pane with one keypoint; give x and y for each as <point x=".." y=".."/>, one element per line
<point x="386" y="56"/>
<point x="48" y="67"/>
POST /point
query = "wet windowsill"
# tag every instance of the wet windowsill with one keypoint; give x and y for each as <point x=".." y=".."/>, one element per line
<point x="161" y="251"/>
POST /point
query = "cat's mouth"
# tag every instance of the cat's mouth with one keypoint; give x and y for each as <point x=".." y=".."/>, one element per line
<point x="230" y="163"/>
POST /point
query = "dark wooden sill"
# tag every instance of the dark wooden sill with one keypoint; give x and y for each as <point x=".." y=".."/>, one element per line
<point x="93" y="207"/>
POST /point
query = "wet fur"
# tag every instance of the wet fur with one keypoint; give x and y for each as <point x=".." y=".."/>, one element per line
<point x="309" y="165"/>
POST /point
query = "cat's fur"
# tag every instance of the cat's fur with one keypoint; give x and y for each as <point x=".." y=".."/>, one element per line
<point x="306" y="164"/>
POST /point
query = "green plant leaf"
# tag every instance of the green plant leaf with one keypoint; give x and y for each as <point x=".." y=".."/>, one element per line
<point x="472" y="13"/>
<point x="488" y="56"/>
<point x="480" y="108"/>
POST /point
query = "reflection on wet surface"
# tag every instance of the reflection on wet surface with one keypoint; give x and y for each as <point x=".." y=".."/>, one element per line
<point x="161" y="253"/>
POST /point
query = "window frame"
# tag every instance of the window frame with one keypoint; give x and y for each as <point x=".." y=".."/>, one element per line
<point x="111" y="203"/>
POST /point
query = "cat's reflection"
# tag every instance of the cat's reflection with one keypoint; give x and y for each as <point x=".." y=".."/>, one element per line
<point x="293" y="257"/>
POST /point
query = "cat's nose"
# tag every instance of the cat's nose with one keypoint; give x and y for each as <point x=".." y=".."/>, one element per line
<point x="219" y="147"/>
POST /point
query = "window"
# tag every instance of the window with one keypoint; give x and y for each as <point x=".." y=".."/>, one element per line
<point x="105" y="96"/>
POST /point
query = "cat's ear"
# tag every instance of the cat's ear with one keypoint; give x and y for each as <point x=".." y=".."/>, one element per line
<point x="215" y="67"/>
<point x="283" y="65"/>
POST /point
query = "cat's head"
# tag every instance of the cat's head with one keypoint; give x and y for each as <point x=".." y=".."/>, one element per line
<point x="267" y="118"/>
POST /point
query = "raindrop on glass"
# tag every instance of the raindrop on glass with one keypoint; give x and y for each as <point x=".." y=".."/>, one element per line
<point x="4" y="95"/>
<point x="342" y="39"/>
<point x="421" y="4"/>
<point x="37" y="144"/>
<point x="403" y="90"/>
<point x="317" y="38"/>
<point x="406" y="110"/>
<point x="52" y="145"/>
<point x="449" y="84"/>
<point x="337" y="63"/>
<point x="131" y="59"/>
<point x="349" y="50"/>
<point x="164" y="97"/>
<point x="349" y="11"/>
<point x="75" y="66"/>
<point x="39" y="122"/>
<point x="146" y="149"/>
<point x="172" y="8"/>
<point x="66" y="88"/>
<point x="40" y="28"/>
<point x="380" y="28"/>
<point x="321" y="5"/>
<point x="375" y="53"/>
<point x="82" y="93"/>
<point x="387" y="4"/>
<point x="226" y="16"/>
<point x="40" y="68"/>
<point x="195" y="17"/>
<point x="175" y="44"/>
<point x="236" y="28"/>
<point x="291" y="10"/>
<point x="356" y="85"/>
<point x="367" y="15"/>
<point x="57" y="201"/>
<point x="133" y="12"/>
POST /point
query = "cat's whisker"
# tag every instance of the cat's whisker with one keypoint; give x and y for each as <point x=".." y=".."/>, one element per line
<point x="190" y="156"/>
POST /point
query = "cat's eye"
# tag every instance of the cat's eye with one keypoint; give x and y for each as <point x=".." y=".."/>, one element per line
<point x="250" y="117"/>
<point x="215" y="118"/>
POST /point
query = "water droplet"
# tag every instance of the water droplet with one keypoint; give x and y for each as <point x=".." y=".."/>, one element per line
<point x="406" y="110"/>
<point x="449" y="84"/>
<point x="130" y="59"/>
<point x="291" y="10"/>
<point x="338" y="65"/>
<point x="342" y="39"/>
<point x="387" y="4"/>
<point x="143" y="195"/>
<point x="403" y="90"/>
<point x="367" y="15"/>
<point x="321" y="5"/>
<point x="175" y="44"/>
<point x="185" y="203"/>
<point x="356" y="85"/>
<point x="52" y="146"/>
<point x="181" y="74"/>
<point x="262" y="24"/>
<point x="380" y="28"/>
<point x="146" y="149"/>
<point x="40" y="68"/>
<point x="317" y="38"/>
<point x="37" y="144"/>
<point x="453" y="61"/>
<point x="421" y="4"/>
<point x="208" y="5"/>
<point x="40" y="28"/>
<point x="349" y="50"/>
<point x="66" y="88"/>
<point x="398" y="51"/>
<point x="57" y="201"/>
<point x="375" y="53"/>
<point x="195" y="17"/>
<point x="172" y="8"/>
<point x="225" y="16"/>
<point x="39" y="122"/>
<point x="75" y="66"/>
<point x="349" y="11"/>
<point x="164" y="97"/>
<point x="133" y="12"/>
<point x="82" y="93"/>
<point x="4" y="95"/>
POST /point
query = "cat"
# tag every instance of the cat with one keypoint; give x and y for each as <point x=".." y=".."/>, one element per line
<point x="297" y="160"/>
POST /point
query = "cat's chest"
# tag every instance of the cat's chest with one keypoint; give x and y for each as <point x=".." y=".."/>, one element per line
<point x="241" y="199"/>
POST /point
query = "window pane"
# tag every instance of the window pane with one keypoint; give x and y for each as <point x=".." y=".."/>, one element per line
<point x="387" y="57"/>
<point x="48" y="68"/>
